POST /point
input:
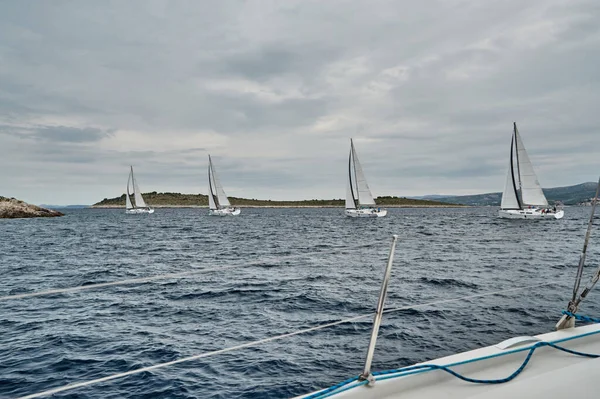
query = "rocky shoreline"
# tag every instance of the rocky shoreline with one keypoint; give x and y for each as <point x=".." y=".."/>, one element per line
<point x="12" y="208"/>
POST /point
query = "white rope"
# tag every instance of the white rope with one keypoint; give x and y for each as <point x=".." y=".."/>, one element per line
<point x="265" y="340"/>
<point x="109" y="284"/>
<point x="186" y="359"/>
<point x="164" y="276"/>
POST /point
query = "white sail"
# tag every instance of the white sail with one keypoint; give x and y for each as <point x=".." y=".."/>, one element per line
<point x="139" y="200"/>
<point x="216" y="188"/>
<point x="531" y="191"/>
<point x="363" y="193"/>
<point x="509" y="196"/>
<point x="350" y="203"/>
<point x="211" y="188"/>
<point x="128" y="204"/>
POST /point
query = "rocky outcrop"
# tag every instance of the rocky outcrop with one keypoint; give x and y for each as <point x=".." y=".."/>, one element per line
<point x="14" y="208"/>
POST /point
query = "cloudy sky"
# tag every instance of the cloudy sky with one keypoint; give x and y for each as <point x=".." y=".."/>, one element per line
<point x="274" y="90"/>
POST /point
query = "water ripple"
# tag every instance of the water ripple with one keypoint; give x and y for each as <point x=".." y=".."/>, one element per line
<point x="297" y="268"/>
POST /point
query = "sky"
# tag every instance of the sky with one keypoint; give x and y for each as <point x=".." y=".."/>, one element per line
<point x="274" y="90"/>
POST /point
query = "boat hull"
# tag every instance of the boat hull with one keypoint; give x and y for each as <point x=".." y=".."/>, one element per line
<point x="366" y="213"/>
<point x="533" y="213"/>
<point x="136" y="211"/>
<point x="550" y="374"/>
<point x="225" y="212"/>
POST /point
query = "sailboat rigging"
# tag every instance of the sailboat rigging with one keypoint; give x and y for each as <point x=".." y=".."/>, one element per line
<point x="138" y="205"/>
<point x="523" y="197"/>
<point x="218" y="202"/>
<point x="359" y="200"/>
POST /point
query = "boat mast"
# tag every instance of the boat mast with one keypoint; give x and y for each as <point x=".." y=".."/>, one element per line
<point x="353" y="153"/>
<point x="518" y="167"/>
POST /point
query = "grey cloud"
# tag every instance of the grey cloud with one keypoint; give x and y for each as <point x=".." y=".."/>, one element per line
<point x="67" y="134"/>
<point x="57" y="134"/>
<point x="277" y="60"/>
<point x="261" y="64"/>
<point x="230" y="113"/>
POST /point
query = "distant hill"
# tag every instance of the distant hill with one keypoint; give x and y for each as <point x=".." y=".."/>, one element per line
<point x="431" y="197"/>
<point x="177" y="199"/>
<point x="570" y="195"/>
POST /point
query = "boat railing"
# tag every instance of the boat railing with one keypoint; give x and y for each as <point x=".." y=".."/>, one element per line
<point x="366" y="374"/>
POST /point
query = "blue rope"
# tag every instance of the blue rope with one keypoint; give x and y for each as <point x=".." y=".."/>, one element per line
<point x="343" y="386"/>
<point x="430" y="367"/>
<point x="580" y="317"/>
<point x="326" y="392"/>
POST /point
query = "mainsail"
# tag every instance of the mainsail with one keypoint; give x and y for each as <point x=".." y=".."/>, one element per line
<point x="521" y="178"/>
<point x="128" y="204"/>
<point x="217" y="198"/>
<point x="350" y="197"/>
<point x="510" y="198"/>
<point x="137" y="194"/>
<point x="357" y="192"/>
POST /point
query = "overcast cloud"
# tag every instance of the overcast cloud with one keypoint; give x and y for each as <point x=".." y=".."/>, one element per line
<point x="274" y="90"/>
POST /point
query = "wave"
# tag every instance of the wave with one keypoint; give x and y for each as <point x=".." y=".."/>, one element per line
<point x="448" y="282"/>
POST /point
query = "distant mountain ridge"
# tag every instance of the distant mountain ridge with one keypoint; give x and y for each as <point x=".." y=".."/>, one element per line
<point x="569" y="195"/>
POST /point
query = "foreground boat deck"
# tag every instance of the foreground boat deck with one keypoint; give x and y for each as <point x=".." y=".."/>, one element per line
<point x="551" y="373"/>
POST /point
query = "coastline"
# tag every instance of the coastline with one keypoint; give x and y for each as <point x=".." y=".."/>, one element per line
<point x="281" y="206"/>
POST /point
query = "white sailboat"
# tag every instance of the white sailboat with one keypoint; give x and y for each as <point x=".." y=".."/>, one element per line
<point x="138" y="205"/>
<point x="217" y="200"/>
<point x="523" y="197"/>
<point x="359" y="200"/>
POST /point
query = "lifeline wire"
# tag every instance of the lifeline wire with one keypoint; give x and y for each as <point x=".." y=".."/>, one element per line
<point x="164" y="276"/>
<point x="265" y="340"/>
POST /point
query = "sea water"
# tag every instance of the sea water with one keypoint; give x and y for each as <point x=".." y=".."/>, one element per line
<point x="261" y="274"/>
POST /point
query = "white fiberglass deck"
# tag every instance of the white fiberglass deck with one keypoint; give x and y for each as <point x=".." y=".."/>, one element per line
<point x="551" y="373"/>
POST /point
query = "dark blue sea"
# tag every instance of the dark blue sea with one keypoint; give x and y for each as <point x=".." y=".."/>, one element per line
<point x="294" y="268"/>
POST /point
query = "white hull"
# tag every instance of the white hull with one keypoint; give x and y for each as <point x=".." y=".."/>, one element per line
<point x="225" y="212"/>
<point x="550" y="373"/>
<point x="139" y="210"/>
<point x="366" y="213"/>
<point x="534" y="213"/>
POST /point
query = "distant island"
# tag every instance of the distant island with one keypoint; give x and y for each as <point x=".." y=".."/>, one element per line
<point x="579" y="194"/>
<point x="167" y="200"/>
<point x="12" y="208"/>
